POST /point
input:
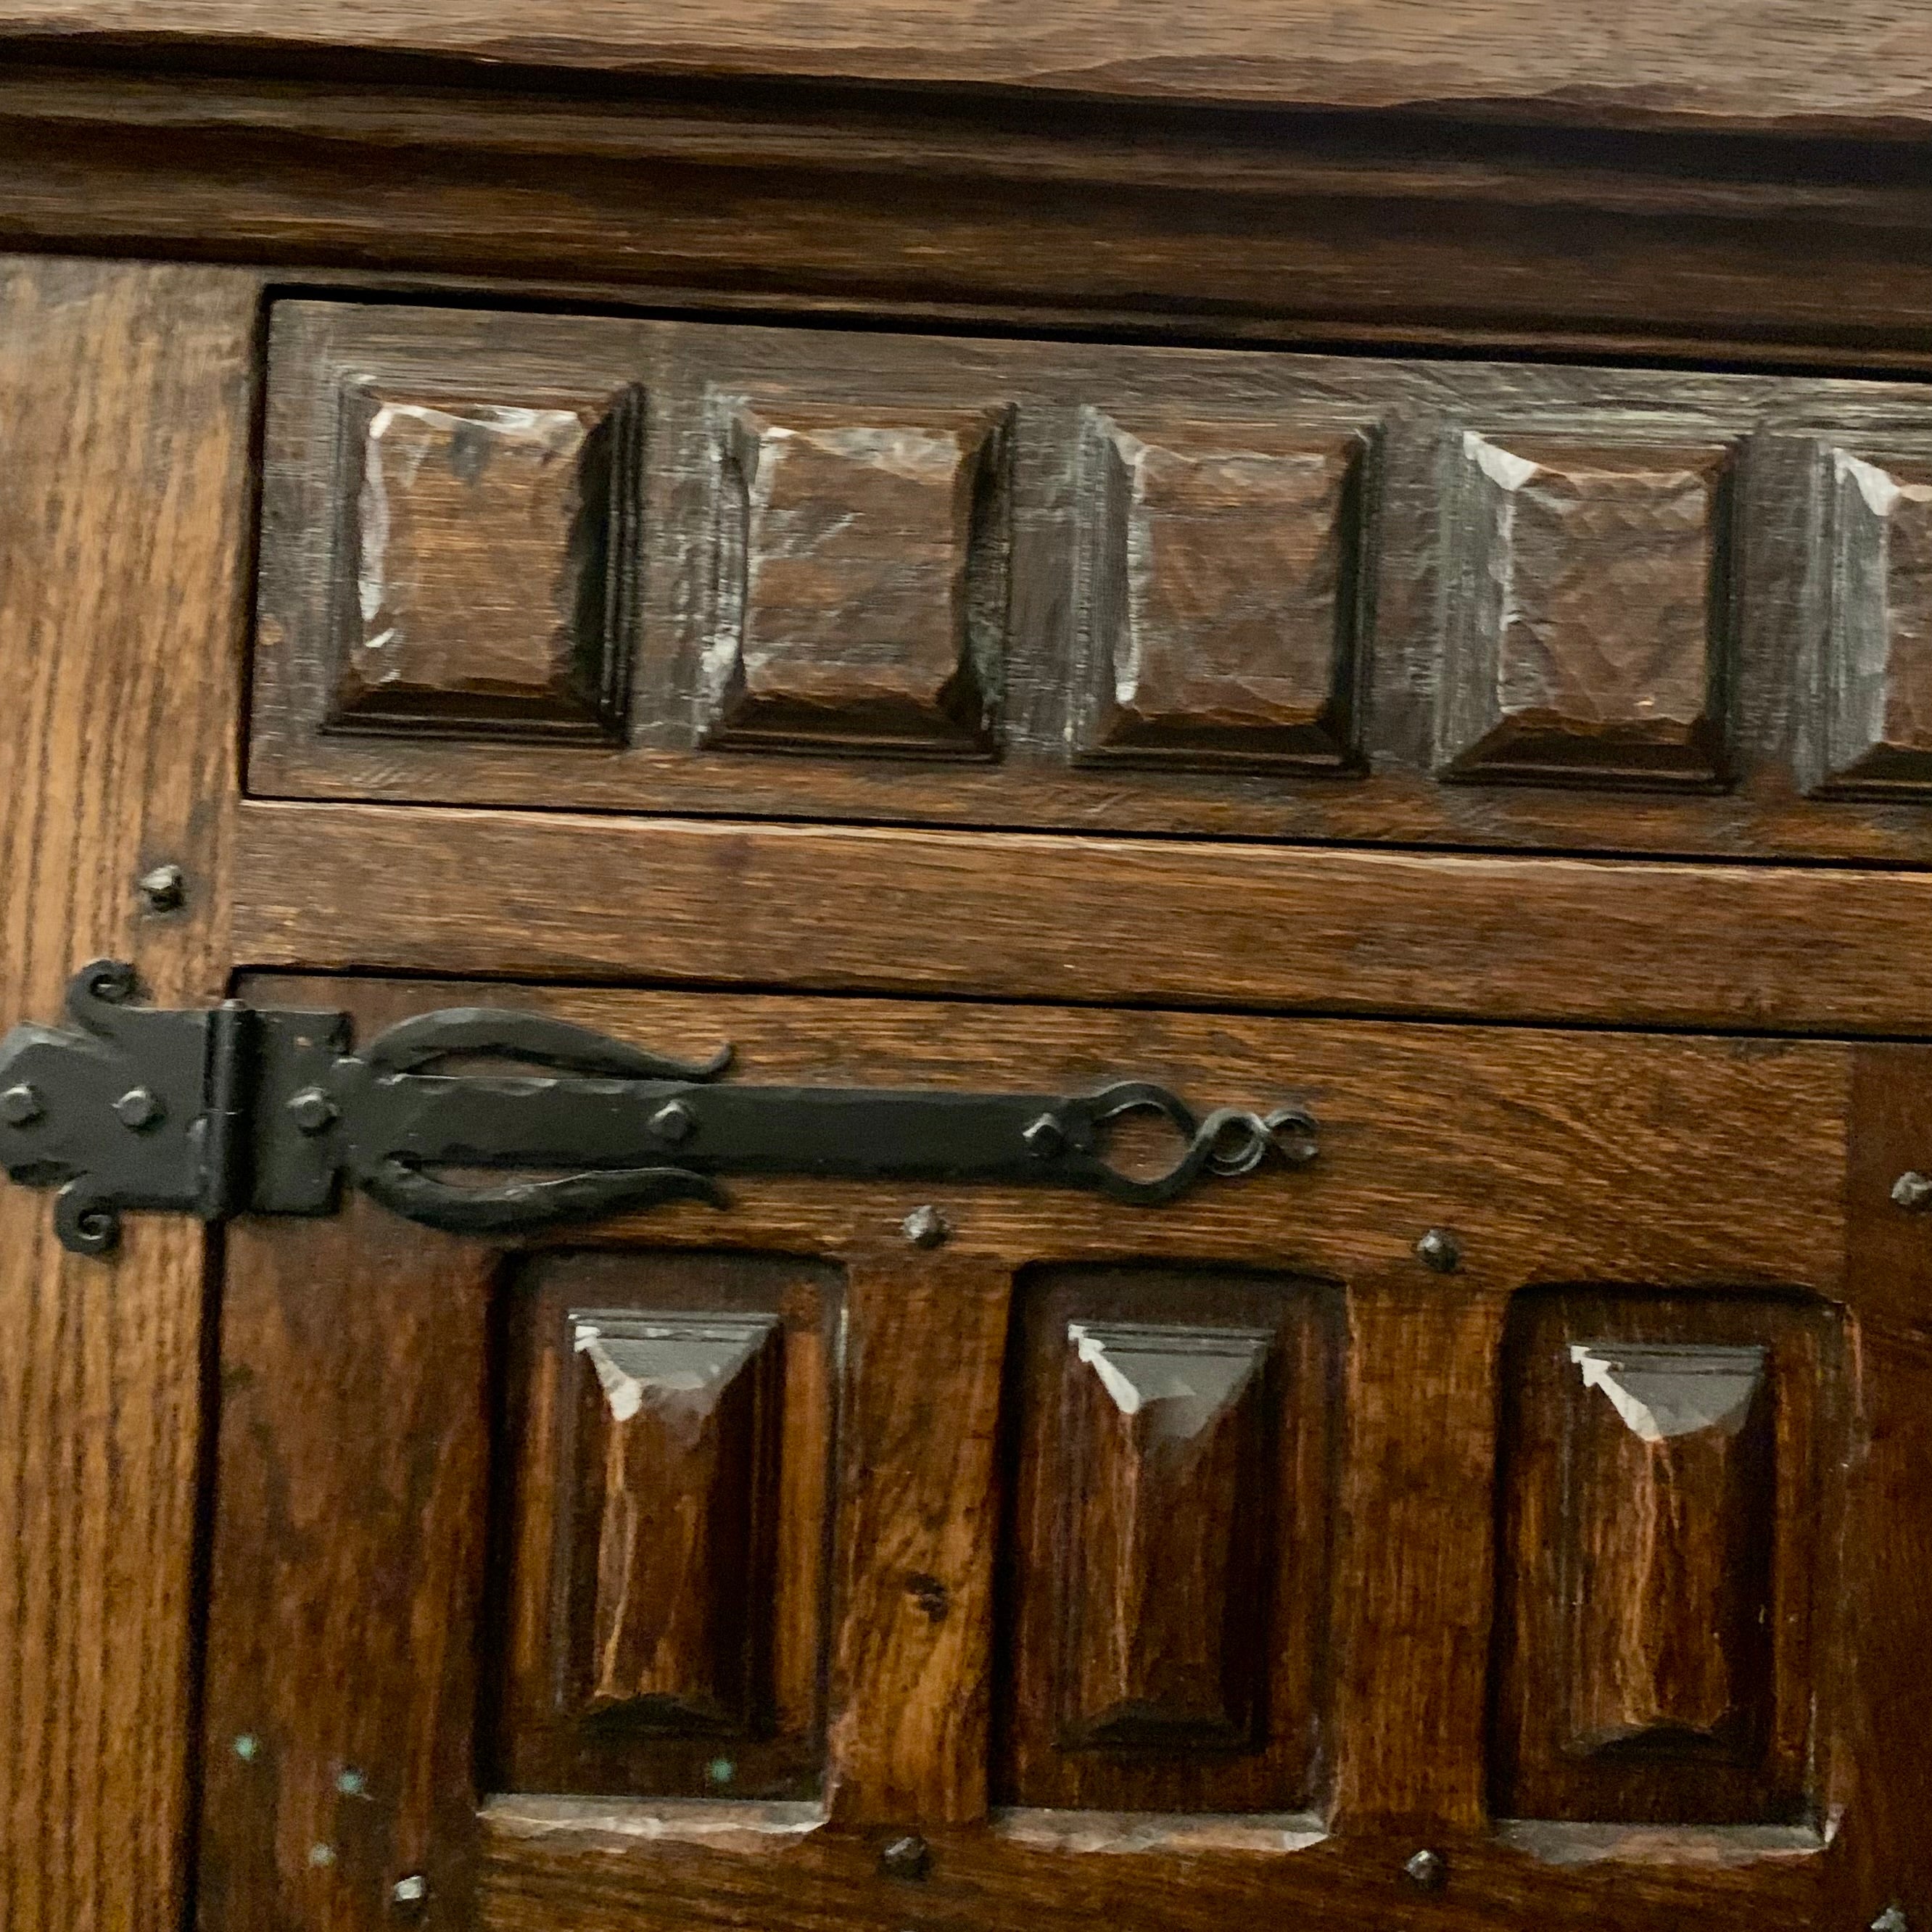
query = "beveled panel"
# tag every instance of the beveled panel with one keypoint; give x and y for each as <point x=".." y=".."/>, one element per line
<point x="1660" y="1557"/>
<point x="670" y="1436"/>
<point x="1878" y="672"/>
<point x="478" y="537"/>
<point x="1588" y="618"/>
<point x="862" y="579"/>
<point x="1168" y="1542"/>
<point x="1221" y="578"/>
<point x="1161" y="1642"/>
<point x="673" y="1481"/>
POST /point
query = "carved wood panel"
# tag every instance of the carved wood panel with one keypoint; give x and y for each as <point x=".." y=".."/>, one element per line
<point x="481" y="546"/>
<point x="1662" y="1552"/>
<point x="665" y="1615"/>
<point x="1170" y="1531"/>
<point x="1030" y="584"/>
<point x="1589" y="597"/>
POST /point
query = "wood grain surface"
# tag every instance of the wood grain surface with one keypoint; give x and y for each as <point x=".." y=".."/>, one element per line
<point x="1728" y="63"/>
<point x="125" y="395"/>
<point x="536" y="895"/>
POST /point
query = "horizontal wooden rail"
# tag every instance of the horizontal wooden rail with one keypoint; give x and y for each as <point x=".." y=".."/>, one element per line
<point x="1266" y="927"/>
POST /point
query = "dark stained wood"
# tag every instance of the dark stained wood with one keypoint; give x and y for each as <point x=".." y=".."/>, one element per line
<point x="1168" y="1572"/>
<point x="1782" y="948"/>
<point x="1661" y="1558"/>
<point x="125" y="395"/>
<point x="1413" y="1560"/>
<point x="1879" y="723"/>
<point x="568" y="1866"/>
<point x="347" y="1578"/>
<point x="1298" y="594"/>
<point x="1589" y="606"/>
<point x="1746" y="66"/>
<point x="1878" y="1774"/>
<point x="1220" y="593"/>
<point x="474" y="559"/>
<point x="663" y="1618"/>
<point x="861" y="593"/>
<point x="918" y="1502"/>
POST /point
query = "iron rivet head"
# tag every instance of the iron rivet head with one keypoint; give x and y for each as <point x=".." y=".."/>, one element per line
<point x="1438" y="1250"/>
<point x="910" y="1857"/>
<point x="925" y="1227"/>
<point x="1427" y="1871"/>
<point x="1892" y="1919"/>
<point x="673" y="1122"/>
<point x="351" y="1783"/>
<point x="320" y="1854"/>
<point x="246" y="1747"/>
<point x="139" y="1109"/>
<point x="1913" y="1192"/>
<point x="164" y="889"/>
<point x="312" y="1111"/>
<point x="410" y="1894"/>
<point x="1044" y="1137"/>
<point x="21" y="1106"/>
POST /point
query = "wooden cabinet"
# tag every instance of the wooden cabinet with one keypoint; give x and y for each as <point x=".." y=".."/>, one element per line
<point x="1370" y="581"/>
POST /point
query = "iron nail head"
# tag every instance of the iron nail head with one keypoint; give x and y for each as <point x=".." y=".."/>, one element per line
<point x="139" y="1109"/>
<point x="1913" y="1191"/>
<point x="410" y="1891"/>
<point x="910" y="1857"/>
<point x="21" y="1106"/>
<point x="1044" y="1137"/>
<point x="673" y="1122"/>
<point x="925" y="1227"/>
<point x="1892" y="1919"/>
<point x="165" y="888"/>
<point x="312" y="1111"/>
<point x="1438" y="1251"/>
<point x="1427" y="1870"/>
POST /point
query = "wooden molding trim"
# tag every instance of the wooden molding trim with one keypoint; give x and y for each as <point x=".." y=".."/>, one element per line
<point x="1741" y="64"/>
<point x="1139" y="922"/>
<point x="1212" y="224"/>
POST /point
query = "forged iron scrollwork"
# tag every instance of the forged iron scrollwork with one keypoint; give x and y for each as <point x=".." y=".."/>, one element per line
<point x="212" y="1112"/>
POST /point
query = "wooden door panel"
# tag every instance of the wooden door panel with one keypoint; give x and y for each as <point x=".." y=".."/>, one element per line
<point x="1154" y="1564"/>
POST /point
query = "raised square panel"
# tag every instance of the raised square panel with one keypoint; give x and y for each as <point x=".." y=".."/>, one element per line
<point x="1879" y="644"/>
<point x="474" y="580"/>
<point x="1225" y="559"/>
<point x="862" y="595"/>
<point x="1587" y="612"/>
<point x="665" y="1616"/>
<point x="1169" y="1541"/>
<point x="1660" y="1550"/>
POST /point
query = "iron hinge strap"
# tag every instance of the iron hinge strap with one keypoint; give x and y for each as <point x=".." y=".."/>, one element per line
<point x="216" y="1111"/>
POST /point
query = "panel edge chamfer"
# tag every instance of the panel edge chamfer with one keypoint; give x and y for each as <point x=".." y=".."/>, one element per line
<point x="555" y="669"/>
<point x="1572" y="654"/>
<point x="1186" y="663"/>
<point x="1877" y="677"/>
<point x="795" y="662"/>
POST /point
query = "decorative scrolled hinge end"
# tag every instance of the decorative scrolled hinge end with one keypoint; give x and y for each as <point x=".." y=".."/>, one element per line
<point x="208" y="1112"/>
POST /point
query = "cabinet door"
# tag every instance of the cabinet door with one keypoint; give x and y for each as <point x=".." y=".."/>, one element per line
<point x="1514" y="1517"/>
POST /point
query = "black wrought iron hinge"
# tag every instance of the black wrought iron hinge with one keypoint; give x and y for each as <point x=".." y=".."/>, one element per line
<point x="237" y="1108"/>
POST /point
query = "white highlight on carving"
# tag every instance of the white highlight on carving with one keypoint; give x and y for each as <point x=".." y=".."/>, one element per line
<point x="1666" y="1389"/>
<point x="1502" y="467"/>
<point x="1184" y="1377"/>
<point x="667" y="1363"/>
